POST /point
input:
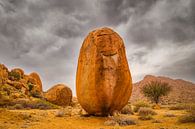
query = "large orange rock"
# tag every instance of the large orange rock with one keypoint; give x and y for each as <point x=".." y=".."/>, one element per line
<point x="59" y="95"/>
<point x="103" y="81"/>
<point x="38" y="82"/>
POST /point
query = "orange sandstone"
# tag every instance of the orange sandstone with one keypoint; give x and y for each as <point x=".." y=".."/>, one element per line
<point x="38" y="82"/>
<point x="103" y="81"/>
<point x="59" y="94"/>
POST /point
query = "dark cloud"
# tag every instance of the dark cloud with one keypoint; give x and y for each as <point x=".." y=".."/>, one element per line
<point x="184" y="69"/>
<point x="119" y="11"/>
<point x="167" y="20"/>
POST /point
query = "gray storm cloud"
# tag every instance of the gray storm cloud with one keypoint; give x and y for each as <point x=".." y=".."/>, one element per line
<point x="46" y="35"/>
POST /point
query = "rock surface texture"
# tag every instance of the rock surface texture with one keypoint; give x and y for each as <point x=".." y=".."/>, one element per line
<point x="37" y="81"/>
<point x="103" y="81"/>
<point x="59" y="94"/>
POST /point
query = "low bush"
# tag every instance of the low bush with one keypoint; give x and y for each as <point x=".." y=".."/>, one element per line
<point x="147" y="117"/>
<point x="18" y="106"/>
<point x="144" y="111"/>
<point x="169" y="115"/>
<point x="182" y="106"/>
<point x="189" y="117"/>
<point x="127" y="110"/>
<point x="125" y="121"/>
<point x="14" y="76"/>
<point x="35" y="104"/>
<point x="140" y="104"/>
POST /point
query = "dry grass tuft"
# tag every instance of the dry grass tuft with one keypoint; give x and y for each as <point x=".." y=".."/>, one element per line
<point x="140" y="104"/>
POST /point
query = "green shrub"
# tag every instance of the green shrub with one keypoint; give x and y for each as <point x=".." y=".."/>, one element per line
<point x="14" y="76"/>
<point x="140" y="104"/>
<point x="154" y="90"/>
<point x="36" y="94"/>
<point x="30" y="86"/>
<point x="144" y="111"/>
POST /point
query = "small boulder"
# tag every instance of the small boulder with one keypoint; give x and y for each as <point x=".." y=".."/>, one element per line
<point x="59" y="94"/>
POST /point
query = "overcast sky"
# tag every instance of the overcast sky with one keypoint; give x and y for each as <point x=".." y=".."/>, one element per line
<point x="46" y="35"/>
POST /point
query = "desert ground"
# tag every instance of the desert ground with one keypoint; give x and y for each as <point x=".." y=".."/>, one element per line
<point x="48" y="119"/>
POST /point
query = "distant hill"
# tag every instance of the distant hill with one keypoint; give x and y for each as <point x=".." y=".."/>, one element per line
<point x="182" y="91"/>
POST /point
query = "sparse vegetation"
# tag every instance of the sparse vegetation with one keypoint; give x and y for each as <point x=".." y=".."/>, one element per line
<point x="125" y="121"/>
<point x="110" y="123"/>
<point x="127" y="110"/>
<point x="182" y="106"/>
<point x="147" y="117"/>
<point x="18" y="106"/>
<point x="154" y="90"/>
<point x="140" y="104"/>
<point x="30" y="86"/>
<point x="14" y="76"/>
<point x="35" y="104"/>
<point x="169" y="115"/>
<point x="189" y="117"/>
<point x="144" y="111"/>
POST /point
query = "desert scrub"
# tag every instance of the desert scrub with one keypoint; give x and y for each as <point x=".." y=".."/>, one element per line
<point x="155" y="90"/>
<point x="189" y="117"/>
<point x="169" y="115"/>
<point x="34" y="104"/>
<point x="122" y="121"/>
<point x="18" y="106"/>
<point x="30" y="86"/>
<point x="147" y="117"/>
<point x="182" y="106"/>
<point x="127" y="110"/>
<point x="43" y="104"/>
<point x="14" y="76"/>
<point x="144" y="111"/>
<point x="140" y="104"/>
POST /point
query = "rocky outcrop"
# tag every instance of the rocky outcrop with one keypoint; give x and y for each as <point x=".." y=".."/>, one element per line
<point x="59" y="94"/>
<point x="35" y="79"/>
<point x="19" y="71"/>
<point x="103" y="81"/>
<point x="15" y="84"/>
<point x="181" y="91"/>
<point x="3" y="74"/>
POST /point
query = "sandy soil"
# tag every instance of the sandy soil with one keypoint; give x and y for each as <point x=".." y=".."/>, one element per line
<point x="46" y="119"/>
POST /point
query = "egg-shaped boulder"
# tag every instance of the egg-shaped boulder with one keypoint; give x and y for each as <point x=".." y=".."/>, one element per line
<point x="59" y="94"/>
<point x="103" y="81"/>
